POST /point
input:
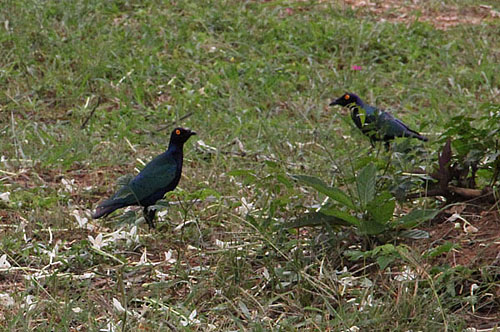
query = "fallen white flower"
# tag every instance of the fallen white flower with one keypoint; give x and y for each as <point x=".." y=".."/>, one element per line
<point x="245" y="207"/>
<point x="168" y="257"/>
<point x="454" y="217"/>
<point x="4" y="263"/>
<point x="144" y="258"/>
<point x="406" y="275"/>
<point x="98" y="242"/>
<point x="6" y="300"/>
<point x="221" y="244"/>
<point x="82" y="221"/>
<point x="118" y="306"/>
<point x="5" y="196"/>
<point x="191" y="319"/>
<point x="68" y="185"/>
<point x="29" y="303"/>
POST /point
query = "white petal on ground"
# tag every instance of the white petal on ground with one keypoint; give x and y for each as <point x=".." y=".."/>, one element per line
<point x="5" y="196"/>
<point x="68" y="185"/>
<point x="191" y="319"/>
<point x="6" y="300"/>
<point x="29" y="303"/>
<point x="118" y="306"/>
<point x="144" y="258"/>
<point x="168" y="257"/>
<point x="98" y="242"/>
<point x="4" y="263"/>
<point x="245" y="207"/>
<point x="82" y="221"/>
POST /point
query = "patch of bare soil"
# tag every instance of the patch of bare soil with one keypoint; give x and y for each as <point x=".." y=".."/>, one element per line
<point x="476" y="231"/>
<point x="442" y="17"/>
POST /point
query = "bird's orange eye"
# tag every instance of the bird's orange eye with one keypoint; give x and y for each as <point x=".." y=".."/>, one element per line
<point x="347" y="97"/>
<point x="177" y="131"/>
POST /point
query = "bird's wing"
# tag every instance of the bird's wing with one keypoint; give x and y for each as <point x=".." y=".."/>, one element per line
<point x="371" y="110"/>
<point x="395" y="126"/>
<point x="387" y="117"/>
<point x="157" y="175"/>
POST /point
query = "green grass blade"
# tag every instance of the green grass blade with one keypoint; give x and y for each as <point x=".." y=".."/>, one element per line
<point x="334" y="193"/>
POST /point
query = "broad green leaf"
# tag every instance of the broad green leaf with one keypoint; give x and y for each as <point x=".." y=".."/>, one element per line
<point x="446" y="247"/>
<point x="246" y="174"/>
<point x="244" y="310"/>
<point x="315" y="219"/>
<point x="271" y="164"/>
<point x="355" y="255"/>
<point x="387" y="248"/>
<point x="362" y="116"/>
<point x="371" y="227"/>
<point x="366" y="183"/>
<point x="342" y="215"/>
<point x="241" y="172"/>
<point x="285" y="180"/>
<point x="416" y="217"/>
<point x="334" y="193"/>
<point x="415" y="234"/>
<point x="382" y="207"/>
<point x="383" y="261"/>
<point x="204" y="193"/>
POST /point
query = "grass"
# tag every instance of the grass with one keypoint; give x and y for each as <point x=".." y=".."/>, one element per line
<point x="254" y="80"/>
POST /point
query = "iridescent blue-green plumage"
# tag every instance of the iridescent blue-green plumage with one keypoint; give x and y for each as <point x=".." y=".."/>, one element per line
<point x="375" y="123"/>
<point x="161" y="175"/>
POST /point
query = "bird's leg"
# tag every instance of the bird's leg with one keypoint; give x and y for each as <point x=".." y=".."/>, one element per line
<point x="389" y="159"/>
<point x="149" y="215"/>
<point x="378" y="150"/>
<point x="373" y="145"/>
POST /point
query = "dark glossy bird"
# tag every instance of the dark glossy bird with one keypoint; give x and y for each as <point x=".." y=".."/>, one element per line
<point x="159" y="176"/>
<point x="375" y="123"/>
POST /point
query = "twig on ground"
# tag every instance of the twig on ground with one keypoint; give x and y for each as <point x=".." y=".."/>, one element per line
<point x="91" y="112"/>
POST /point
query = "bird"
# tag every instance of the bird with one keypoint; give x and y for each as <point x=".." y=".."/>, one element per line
<point x="375" y="123"/>
<point x="159" y="176"/>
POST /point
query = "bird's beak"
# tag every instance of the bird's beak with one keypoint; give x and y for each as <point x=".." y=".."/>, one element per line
<point x="192" y="133"/>
<point x="334" y="102"/>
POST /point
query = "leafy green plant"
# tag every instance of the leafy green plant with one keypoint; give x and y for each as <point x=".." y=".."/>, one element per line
<point x="475" y="145"/>
<point x="384" y="254"/>
<point x="368" y="211"/>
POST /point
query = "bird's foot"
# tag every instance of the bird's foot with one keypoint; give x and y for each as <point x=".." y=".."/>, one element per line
<point x="149" y="215"/>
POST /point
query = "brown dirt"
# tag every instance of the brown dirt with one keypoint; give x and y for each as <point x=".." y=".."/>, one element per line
<point x="479" y="250"/>
<point x="442" y="17"/>
<point x="478" y="238"/>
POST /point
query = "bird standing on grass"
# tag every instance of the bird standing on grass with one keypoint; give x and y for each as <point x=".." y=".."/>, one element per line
<point x="375" y="123"/>
<point x="161" y="175"/>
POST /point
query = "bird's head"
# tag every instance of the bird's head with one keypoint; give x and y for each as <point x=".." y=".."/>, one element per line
<point x="181" y="135"/>
<point x="346" y="99"/>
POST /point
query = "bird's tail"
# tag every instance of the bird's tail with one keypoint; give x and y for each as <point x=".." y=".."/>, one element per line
<point x="105" y="209"/>
<point x="416" y="135"/>
<point x="422" y="138"/>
